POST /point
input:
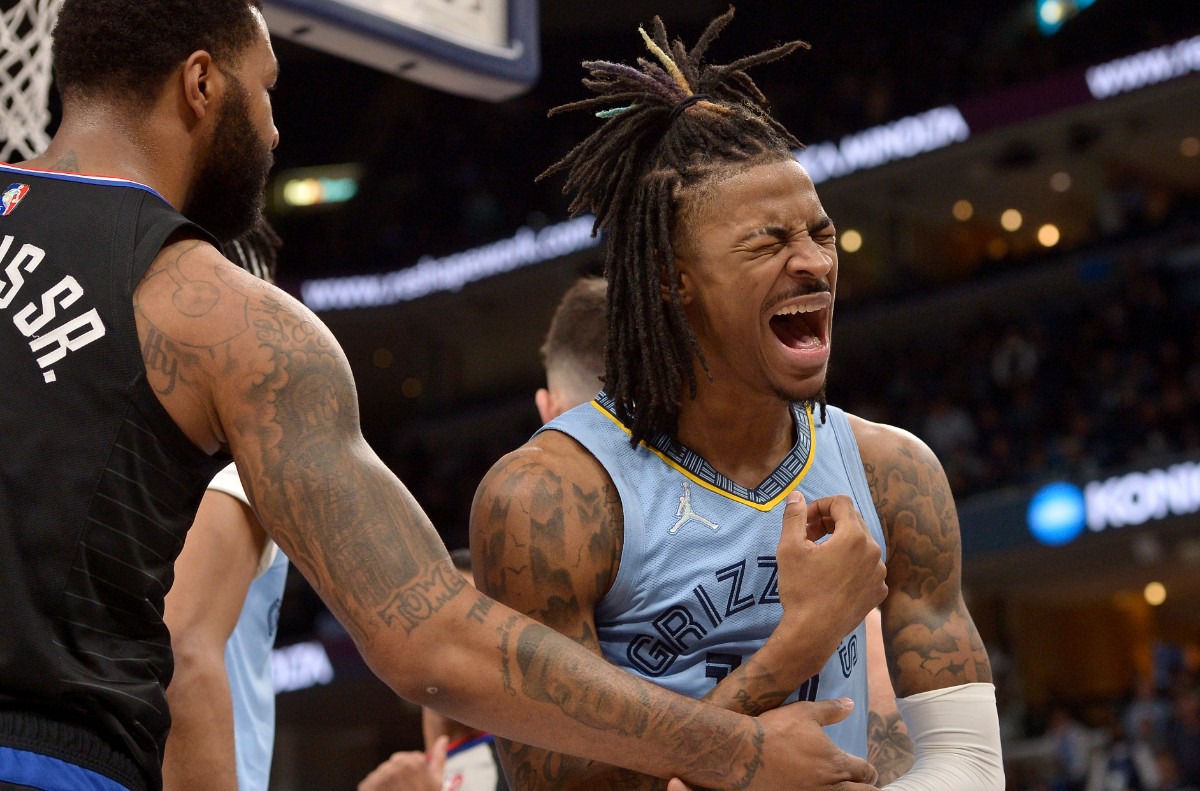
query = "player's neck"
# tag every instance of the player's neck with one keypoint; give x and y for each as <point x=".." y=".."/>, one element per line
<point x="91" y="142"/>
<point x="743" y="437"/>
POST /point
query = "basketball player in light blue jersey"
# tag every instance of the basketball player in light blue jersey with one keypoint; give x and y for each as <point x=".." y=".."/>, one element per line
<point x="223" y="612"/>
<point x="647" y="524"/>
<point x="573" y="355"/>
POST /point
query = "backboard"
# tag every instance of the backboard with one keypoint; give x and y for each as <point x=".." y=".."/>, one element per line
<point x="486" y="49"/>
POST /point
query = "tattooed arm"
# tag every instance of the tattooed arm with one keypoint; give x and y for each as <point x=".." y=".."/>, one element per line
<point x="930" y="640"/>
<point x="239" y="364"/>
<point x="889" y="749"/>
<point x="546" y="531"/>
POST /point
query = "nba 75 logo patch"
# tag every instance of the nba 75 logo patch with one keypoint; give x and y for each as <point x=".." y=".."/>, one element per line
<point x="11" y="197"/>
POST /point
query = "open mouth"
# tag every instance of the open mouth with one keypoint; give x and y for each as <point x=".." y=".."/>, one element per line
<point x="801" y="325"/>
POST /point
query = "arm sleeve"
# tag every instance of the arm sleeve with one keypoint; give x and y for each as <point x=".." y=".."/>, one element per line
<point x="956" y="732"/>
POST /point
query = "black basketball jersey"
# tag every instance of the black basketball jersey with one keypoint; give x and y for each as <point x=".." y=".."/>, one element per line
<point x="97" y="484"/>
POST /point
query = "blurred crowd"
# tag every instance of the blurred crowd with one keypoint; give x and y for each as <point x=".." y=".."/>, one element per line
<point x="1148" y="741"/>
<point x="441" y="175"/>
<point x="1019" y="399"/>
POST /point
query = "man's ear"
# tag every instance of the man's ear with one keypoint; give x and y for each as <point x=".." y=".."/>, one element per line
<point x="545" y="405"/>
<point x="683" y="280"/>
<point x="200" y="84"/>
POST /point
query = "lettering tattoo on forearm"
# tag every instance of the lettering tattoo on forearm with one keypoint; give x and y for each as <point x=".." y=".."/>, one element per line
<point x="741" y="700"/>
<point x="550" y="675"/>
<point x="422" y="600"/>
<point x="480" y="609"/>
<point x="755" y="762"/>
<point x="505" y="630"/>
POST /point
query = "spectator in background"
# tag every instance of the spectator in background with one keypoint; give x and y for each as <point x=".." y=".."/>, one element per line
<point x="1170" y="777"/>
<point x="1147" y="712"/>
<point x="949" y="429"/>
<point x="1072" y="751"/>
<point x="573" y="353"/>
<point x="1183" y="735"/>
<point x="1125" y="762"/>
<point x="1015" y="360"/>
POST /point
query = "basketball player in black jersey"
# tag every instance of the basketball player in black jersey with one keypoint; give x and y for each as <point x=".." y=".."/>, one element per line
<point x="137" y="361"/>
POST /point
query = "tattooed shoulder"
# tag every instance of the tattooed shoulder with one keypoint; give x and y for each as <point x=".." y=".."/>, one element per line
<point x="546" y="531"/>
<point x="907" y="483"/>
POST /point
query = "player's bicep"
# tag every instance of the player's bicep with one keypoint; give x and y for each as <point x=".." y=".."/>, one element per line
<point x="534" y="538"/>
<point x="288" y="406"/>
<point x="546" y="532"/>
<point x="930" y="639"/>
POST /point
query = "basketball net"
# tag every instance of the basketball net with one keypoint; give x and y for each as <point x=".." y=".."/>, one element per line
<point x="25" y="27"/>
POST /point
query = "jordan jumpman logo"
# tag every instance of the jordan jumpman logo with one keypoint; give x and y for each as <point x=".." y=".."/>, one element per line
<point x="686" y="514"/>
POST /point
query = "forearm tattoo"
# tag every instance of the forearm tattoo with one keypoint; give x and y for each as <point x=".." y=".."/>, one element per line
<point x="889" y="748"/>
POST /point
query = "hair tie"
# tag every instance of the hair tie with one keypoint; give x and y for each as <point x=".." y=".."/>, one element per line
<point x="686" y="103"/>
<point x="613" y="112"/>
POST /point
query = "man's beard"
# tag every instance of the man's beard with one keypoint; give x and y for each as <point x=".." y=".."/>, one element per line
<point x="807" y="396"/>
<point x="227" y="199"/>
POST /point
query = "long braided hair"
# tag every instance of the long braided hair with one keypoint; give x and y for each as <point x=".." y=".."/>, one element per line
<point x="670" y="126"/>
<point x="256" y="250"/>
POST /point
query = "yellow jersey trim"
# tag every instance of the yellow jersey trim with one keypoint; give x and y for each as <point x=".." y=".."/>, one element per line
<point x="712" y="487"/>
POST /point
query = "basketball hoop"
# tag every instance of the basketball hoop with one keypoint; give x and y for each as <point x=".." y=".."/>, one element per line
<point x="25" y="27"/>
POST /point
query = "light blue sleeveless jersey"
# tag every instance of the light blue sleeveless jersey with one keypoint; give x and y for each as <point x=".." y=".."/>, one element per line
<point x="248" y="657"/>
<point x="697" y="589"/>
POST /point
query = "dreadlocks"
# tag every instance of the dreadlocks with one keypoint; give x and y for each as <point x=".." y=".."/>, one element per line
<point x="256" y="250"/>
<point x="670" y="128"/>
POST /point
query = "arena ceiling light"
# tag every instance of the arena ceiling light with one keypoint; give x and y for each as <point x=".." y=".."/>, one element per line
<point x="1048" y="235"/>
<point x="1155" y="593"/>
<point x="319" y="186"/>
<point x="1053" y="14"/>
<point x="1060" y="181"/>
<point x="1011" y="220"/>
